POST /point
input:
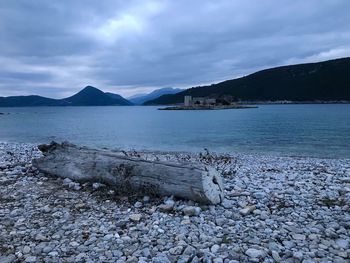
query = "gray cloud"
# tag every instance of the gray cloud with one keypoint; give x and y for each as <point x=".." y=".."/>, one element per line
<point x="55" y="48"/>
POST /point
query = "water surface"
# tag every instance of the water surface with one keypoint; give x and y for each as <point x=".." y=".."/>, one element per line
<point x="303" y="130"/>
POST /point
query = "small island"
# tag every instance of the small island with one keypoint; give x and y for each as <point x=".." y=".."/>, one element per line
<point x="208" y="103"/>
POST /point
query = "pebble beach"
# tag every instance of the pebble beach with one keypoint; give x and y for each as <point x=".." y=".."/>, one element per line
<point x="276" y="209"/>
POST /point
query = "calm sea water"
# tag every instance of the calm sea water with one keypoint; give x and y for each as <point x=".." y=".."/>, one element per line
<point x="302" y="130"/>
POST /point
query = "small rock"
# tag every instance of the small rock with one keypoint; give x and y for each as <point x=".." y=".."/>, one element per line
<point x="259" y="195"/>
<point x="345" y="180"/>
<point x="276" y="256"/>
<point x="40" y="237"/>
<point x="255" y="253"/>
<point x="215" y="248"/>
<point x="8" y="259"/>
<point x="135" y="217"/>
<point x="165" y="208"/>
<point x="176" y="250"/>
<point x="15" y="212"/>
<point x="121" y="223"/>
<point x="186" y="222"/>
<point x="288" y="244"/>
<point x="53" y="254"/>
<point x="298" y="255"/>
<point x="96" y="186"/>
<point x="76" y="186"/>
<point x="342" y="243"/>
<point x="67" y="181"/>
<point x="108" y="237"/>
<point x="74" y="244"/>
<point x="31" y="259"/>
<point x="247" y="210"/>
<point x="170" y="201"/>
<point x="218" y="260"/>
<point x="191" y="210"/>
<point x="190" y="251"/>
<point x="299" y="237"/>
<point x="146" y="252"/>
<point x="138" y="204"/>
<point x="47" y="249"/>
<point x="26" y="250"/>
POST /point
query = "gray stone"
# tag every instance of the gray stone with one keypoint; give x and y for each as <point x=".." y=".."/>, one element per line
<point x="255" y="253"/>
<point x="146" y="252"/>
<point x="108" y="237"/>
<point x="161" y="259"/>
<point x="288" y="244"/>
<point x="176" y="250"/>
<point x="221" y="221"/>
<point x="215" y="248"/>
<point x="31" y="259"/>
<point x="135" y="217"/>
<point x="247" y="210"/>
<point x="8" y="259"/>
<point x="26" y="250"/>
<point x="53" y="254"/>
<point x="298" y="255"/>
<point x="299" y="237"/>
<point x="40" y="237"/>
<point x="47" y="249"/>
<point x="165" y="208"/>
<point x="345" y="180"/>
<point x="342" y="243"/>
<point x="67" y="181"/>
<point x="259" y="195"/>
<point x="189" y="250"/>
<point x="276" y="256"/>
<point x="191" y="210"/>
<point x="146" y="199"/>
<point x="138" y="204"/>
<point x="96" y="186"/>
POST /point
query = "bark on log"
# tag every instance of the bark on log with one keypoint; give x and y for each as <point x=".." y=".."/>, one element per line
<point x="189" y="181"/>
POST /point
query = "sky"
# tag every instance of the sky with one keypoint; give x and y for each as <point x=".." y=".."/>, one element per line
<point x="56" y="48"/>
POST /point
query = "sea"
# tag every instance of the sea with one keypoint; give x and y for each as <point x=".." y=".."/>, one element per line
<point x="313" y="130"/>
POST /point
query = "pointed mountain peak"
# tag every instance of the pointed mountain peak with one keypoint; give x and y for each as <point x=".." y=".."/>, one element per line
<point x="90" y="88"/>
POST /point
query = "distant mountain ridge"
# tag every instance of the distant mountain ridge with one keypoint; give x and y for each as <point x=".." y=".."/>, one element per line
<point x="321" y="81"/>
<point x="139" y="100"/>
<point x="89" y="96"/>
<point x="118" y="97"/>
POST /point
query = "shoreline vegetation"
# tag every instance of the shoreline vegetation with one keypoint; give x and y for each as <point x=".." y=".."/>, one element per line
<point x="276" y="209"/>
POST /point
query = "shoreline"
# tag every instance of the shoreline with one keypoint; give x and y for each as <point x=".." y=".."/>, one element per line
<point x="276" y="209"/>
<point x="210" y="107"/>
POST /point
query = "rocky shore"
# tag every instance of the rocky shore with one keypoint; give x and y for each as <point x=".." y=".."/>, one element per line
<point x="277" y="209"/>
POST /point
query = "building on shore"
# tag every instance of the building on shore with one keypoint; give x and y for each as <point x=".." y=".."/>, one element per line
<point x="190" y="101"/>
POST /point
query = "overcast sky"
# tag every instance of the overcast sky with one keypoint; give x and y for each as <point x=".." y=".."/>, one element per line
<point x="55" y="48"/>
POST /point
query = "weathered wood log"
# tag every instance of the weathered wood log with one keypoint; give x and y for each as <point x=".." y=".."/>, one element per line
<point x="189" y="181"/>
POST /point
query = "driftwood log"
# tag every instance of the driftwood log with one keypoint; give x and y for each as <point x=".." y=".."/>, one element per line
<point x="189" y="181"/>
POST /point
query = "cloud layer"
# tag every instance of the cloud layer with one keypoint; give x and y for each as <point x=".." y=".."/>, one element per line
<point x="54" y="48"/>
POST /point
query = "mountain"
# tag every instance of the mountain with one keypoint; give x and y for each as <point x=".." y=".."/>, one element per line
<point x="136" y="95"/>
<point x="29" y="101"/>
<point x="322" y="81"/>
<point x="121" y="100"/>
<point x="139" y="100"/>
<point x="89" y="96"/>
